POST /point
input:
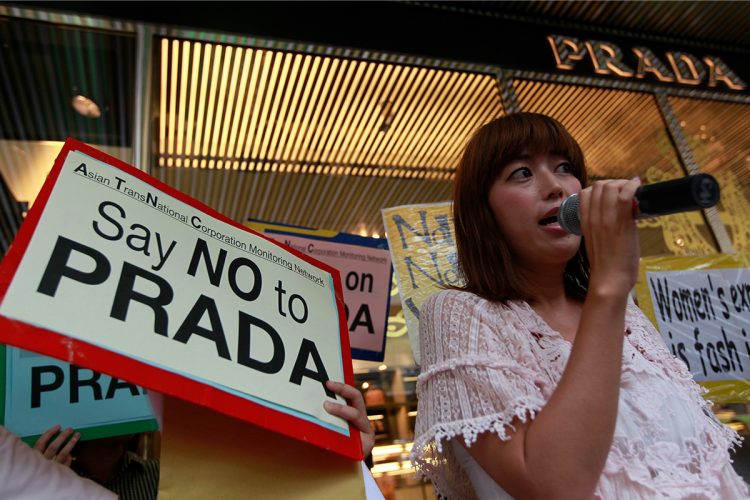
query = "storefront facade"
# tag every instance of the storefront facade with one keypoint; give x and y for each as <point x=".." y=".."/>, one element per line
<point x="299" y="120"/>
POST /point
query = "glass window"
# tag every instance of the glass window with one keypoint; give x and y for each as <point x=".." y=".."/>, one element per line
<point x="61" y="81"/>
<point x="718" y="135"/>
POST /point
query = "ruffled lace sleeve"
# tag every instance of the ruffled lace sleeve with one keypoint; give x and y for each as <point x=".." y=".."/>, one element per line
<point x="479" y="373"/>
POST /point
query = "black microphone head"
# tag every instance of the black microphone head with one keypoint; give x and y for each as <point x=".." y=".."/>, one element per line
<point x="705" y="190"/>
<point x="568" y="217"/>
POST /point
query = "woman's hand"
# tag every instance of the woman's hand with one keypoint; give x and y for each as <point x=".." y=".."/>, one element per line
<point x="59" y="449"/>
<point x="611" y="237"/>
<point x="355" y="414"/>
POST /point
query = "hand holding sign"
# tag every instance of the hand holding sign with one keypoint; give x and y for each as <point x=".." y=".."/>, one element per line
<point x="59" y="449"/>
<point x="356" y="413"/>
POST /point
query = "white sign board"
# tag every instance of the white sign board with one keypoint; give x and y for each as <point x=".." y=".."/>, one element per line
<point x="146" y="284"/>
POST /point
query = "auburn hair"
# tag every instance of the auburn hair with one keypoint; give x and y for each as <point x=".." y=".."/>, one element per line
<point x="484" y="257"/>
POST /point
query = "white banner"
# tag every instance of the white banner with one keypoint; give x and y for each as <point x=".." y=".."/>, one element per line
<point x="703" y="316"/>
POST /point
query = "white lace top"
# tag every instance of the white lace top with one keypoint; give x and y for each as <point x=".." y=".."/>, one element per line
<point x="484" y="364"/>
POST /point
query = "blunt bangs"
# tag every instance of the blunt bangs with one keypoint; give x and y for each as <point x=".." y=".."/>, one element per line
<point x="531" y="133"/>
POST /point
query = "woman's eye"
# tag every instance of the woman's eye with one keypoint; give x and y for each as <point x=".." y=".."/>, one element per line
<point x="565" y="168"/>
<point x="520" y="173"/>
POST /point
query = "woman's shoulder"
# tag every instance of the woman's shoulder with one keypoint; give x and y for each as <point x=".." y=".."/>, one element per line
<point x="456" y="296"/>
<point x="635" y="316"/>
<point x="452" y="303"/>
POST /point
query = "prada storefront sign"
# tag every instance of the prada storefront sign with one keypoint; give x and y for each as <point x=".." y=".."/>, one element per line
<point x="639" y="62"/>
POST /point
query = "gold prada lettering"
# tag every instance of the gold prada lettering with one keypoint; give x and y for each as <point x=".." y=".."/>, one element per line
<point x="607" y="59"/>
<point x="566" y="50"/>
<point x="688" y="69"/>
<point x="720" y="72"/>
<point x="649" y="63"/>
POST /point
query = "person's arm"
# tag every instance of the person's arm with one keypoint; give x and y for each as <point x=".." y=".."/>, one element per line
<point x="58" y="450"/>
<point x="356" y="414"/>
<point x="562" y="452"/>
<point x="25" y="473"/>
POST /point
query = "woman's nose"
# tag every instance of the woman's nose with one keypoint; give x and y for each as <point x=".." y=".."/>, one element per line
<point x="551" y="187"/>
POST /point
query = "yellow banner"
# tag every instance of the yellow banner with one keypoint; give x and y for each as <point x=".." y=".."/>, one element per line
<point x="423" y="250"/>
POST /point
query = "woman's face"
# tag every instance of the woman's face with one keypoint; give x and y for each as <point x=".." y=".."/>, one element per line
<point x="525" y="198"/>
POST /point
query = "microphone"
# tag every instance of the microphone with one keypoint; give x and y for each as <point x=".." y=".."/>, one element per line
<point x="694" y="192"/>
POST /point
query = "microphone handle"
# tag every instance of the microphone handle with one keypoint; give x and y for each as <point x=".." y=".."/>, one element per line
<point x="693" y="192"/>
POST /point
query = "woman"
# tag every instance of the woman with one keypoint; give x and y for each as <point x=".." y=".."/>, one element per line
<point x="540" y="378"/>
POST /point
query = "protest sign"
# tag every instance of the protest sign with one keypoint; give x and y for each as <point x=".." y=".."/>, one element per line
<point x="41" y="392"/>
<point x="422" y="243"/>
<point x="701" y="306"/>
<point x="365" y="267"/>
<point x="114" y="271"/>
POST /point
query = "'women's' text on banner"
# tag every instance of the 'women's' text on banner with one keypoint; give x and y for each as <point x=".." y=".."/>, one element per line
<point x="701" y="306"/>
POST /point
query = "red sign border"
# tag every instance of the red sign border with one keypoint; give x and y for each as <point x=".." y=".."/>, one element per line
<point x="57" y="345"/>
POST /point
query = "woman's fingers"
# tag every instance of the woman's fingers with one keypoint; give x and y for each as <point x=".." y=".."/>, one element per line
<point x="627" y="193"/>
<point x="41" y="442"/>
<point x="344" y="411"/>
<point x="348" y="392"/>
<point x="606" y="203"/>
<point x="64" y="455"/>
<point x="610" y="233"/>
<point x="58" y="449"/>
<point x="356" y="414"/>
<point x="53" y="449"/>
